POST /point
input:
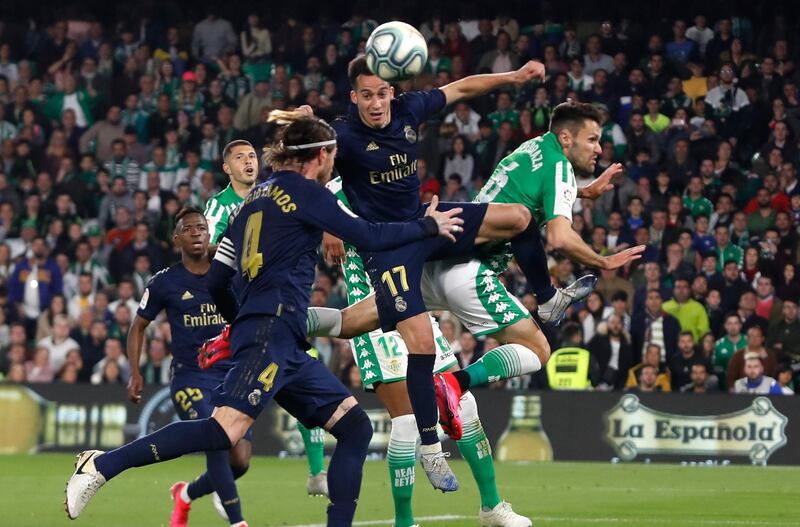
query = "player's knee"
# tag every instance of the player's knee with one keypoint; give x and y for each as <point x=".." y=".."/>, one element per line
<point x="520" y="219"/>
<point x="239" y="470"/>
<point x="353" y="428"/>
<point x="542" y="350"/>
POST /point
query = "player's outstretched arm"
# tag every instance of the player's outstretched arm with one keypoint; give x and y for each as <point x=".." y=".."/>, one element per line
<point x="134" y="350"/>
<point x="602" y="184"/>
<point x="477" y="85"/>
<point x="326" y="214"/>
<point x="562" y="237"/>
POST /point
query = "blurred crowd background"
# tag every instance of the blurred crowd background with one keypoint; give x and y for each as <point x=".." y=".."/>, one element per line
<point x="112" y="117"/>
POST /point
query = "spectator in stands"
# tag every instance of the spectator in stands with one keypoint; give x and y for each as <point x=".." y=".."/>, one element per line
<point x="754" y="380"/>
<point x="681" y="364"/>
<point x="611" y="351"/>
<point x="467" y="350"/>
<point x="157" y="368"/>
<point x="699" y="376"/>
<point x="212" y="38"/>
<point x="784" y="335"/>
<point x="59" y="343"/>
<point x="34" y="282"/>
<point x="101" y="135"/>
<point x="648" y="375"/>
<point x="39" y="369"/>
<point x="654" y="326"/>
<point x="689" y="312"/>
<point x="102" y="373"/>
<point x="651" y="357"/>
<point x="44" y="324"/>
<point x="755" y="347"/>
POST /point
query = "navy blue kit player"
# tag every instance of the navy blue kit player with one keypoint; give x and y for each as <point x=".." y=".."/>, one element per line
<point x="270" y="250"/>
<point x="377" y="162"/>
<point x="181" y="291"/>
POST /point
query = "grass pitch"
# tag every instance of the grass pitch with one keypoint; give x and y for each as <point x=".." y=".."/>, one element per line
<point x="552" y="494"/>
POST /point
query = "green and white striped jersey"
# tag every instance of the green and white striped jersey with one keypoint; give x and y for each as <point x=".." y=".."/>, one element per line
<point x="218" y="210"/>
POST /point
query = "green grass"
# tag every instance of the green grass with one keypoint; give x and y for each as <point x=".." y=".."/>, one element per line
<point x="553" y="494"/>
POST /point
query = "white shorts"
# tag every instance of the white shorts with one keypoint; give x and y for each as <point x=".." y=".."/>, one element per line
<point x="383" y="357"/>
<point x="473" y="293"/>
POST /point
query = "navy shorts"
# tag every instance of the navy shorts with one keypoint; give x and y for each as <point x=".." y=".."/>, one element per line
<point x="270" y="362"/>
<point x="193" y="396"/>
<point x="396" y="274"/>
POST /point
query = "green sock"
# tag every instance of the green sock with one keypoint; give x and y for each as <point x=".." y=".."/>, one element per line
<point x="503" y="362"/>
<point x="314" y="441"/>
<point x="475" y="448"/>
<point x="402" y="461"/>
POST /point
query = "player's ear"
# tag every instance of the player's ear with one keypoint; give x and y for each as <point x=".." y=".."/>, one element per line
<point x="353" y="98"/>
<point x="565" y="137"/>
<point x="226" y="168"/>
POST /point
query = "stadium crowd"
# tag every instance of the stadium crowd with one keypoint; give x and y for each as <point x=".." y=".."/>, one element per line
<point x="108" y="128"/>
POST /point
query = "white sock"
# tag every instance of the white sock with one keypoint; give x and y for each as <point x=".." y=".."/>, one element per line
<point x="431" y="449"/>
<point x="240" y="524"/>
<point x="324" y="322"/>
<point x="469" y="408"/>
<point x="185" y="494"/>
<point x="404" y="428"/>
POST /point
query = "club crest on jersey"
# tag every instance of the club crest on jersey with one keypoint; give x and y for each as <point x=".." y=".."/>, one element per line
<point x="372" y="146"/>
<point x="192" y="413"/>
<point x="254" y="398"/>
<point x="400" y="304"/>
<point x="568" y="195"/>
<point x="411" y="134"/>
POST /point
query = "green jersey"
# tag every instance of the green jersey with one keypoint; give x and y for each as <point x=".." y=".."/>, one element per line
<point x="724" y="349"/>
<point x="218" y="210"/>
<point x="698" y="206"/>
<point x="537" y="175"/>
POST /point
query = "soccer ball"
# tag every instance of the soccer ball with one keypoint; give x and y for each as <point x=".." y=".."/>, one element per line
<point x="396" y="51"/>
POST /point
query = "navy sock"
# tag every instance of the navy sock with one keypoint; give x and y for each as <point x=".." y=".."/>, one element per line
<point x="219" y="477"/>
<point x="353" y="433"/>
<point x="529" y="252"/>
<point x="174" y="440"/>
<point x="419" y="381"/>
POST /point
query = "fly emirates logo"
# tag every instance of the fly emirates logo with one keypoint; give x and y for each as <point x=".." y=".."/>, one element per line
<point x="401" y="168"/>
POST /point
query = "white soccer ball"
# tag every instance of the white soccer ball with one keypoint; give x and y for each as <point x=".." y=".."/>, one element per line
<point x="396" y="51"/>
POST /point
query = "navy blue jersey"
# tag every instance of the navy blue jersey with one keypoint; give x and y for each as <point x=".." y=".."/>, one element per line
<point x="192" y="314"/>
<point x="272" y="242"/>
<point x="379" y="166"/>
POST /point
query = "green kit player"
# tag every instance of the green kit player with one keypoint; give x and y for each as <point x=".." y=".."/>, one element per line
<point x="240" y="162"/>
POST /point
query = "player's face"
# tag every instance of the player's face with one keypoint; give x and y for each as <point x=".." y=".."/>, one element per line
<point x="585" y="147"/>
<point x="191" y="235"/>
<point x="242" y="165"/>
<point x="373" y="96"/>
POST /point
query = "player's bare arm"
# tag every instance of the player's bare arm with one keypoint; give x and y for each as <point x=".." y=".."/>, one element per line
<point x="562" y="237"/>
<point x="476" y="85"/>
<point x="134" y="345"/>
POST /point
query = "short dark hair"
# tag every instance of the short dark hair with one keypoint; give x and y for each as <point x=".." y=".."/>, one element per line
<point x="226" y="152"/>
<point x="358" y="66"/>
<point x="572" y="115"/>
<point x="185" y="211"/>
<point x="689" y="333"/>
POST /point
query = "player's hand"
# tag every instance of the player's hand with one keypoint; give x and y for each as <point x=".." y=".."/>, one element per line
<point x="532" y="70"/>
<point x="448" y="221"/>
<point x="615" y="261"/>
<point x="135" y="386"/>
<point x="602" y="184"/>
<point x="332" y="249"/>
<point x="305" y="108"/>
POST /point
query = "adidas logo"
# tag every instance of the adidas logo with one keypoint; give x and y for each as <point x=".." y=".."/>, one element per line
<point x="372" y="146"/>
<point x="187" y="296"/>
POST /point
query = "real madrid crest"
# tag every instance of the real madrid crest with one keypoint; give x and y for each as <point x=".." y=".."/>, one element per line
<point x="254" y="398"/>
<point x="400" y="304"/>
<point x="411" y="134"/>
